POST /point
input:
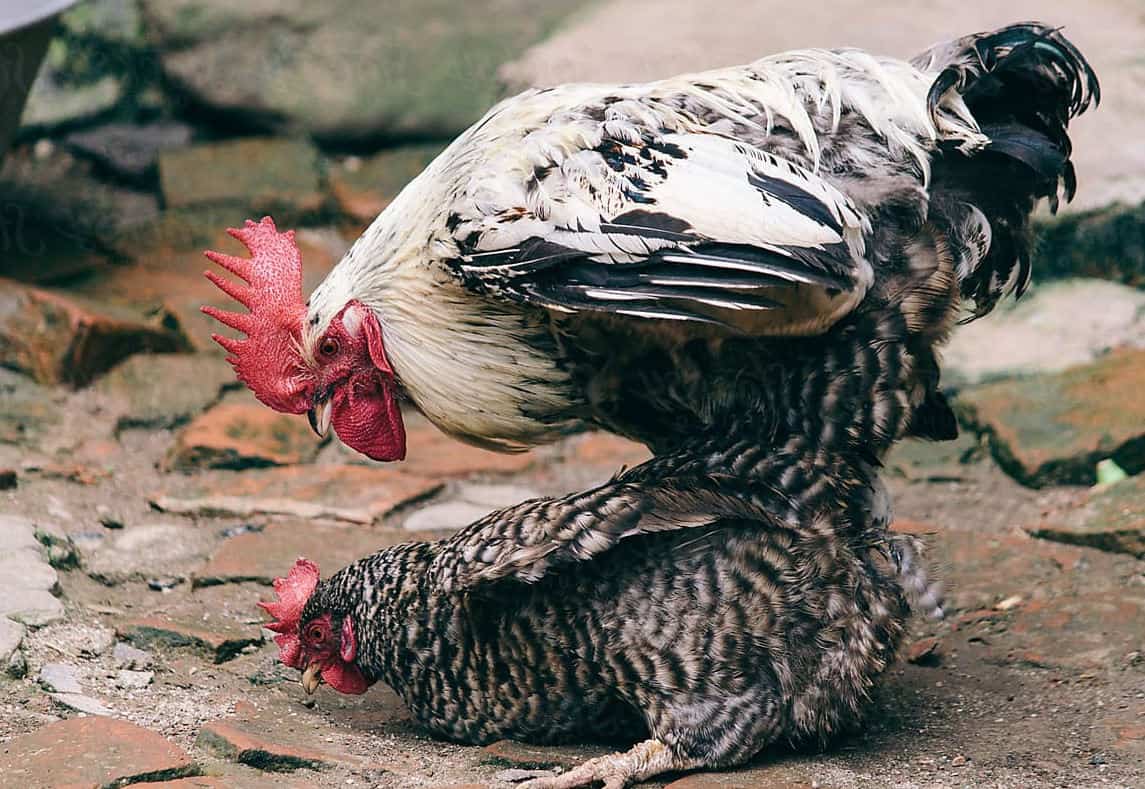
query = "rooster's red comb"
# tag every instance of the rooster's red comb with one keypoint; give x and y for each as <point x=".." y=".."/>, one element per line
<point x="268" y="359"/>
<point x="292" y="592"/>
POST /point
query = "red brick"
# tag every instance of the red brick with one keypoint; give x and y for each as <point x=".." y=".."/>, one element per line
<point x="242" y="435"/>
<point x="56" y="339"/>
<point x="91" y="752"/>
<point x="269" y="554"/>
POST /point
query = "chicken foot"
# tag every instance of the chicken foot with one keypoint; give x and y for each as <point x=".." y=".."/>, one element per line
<point x="619" y="770"/>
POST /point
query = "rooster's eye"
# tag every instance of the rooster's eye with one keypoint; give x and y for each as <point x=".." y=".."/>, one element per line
<point x="329" y="347"/>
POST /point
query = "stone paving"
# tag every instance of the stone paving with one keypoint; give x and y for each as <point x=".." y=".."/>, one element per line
<point x="147" y="501"/>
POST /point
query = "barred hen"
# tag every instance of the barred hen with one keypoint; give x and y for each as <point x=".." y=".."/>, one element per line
<point x="787" y="240"/>
<point x="706" y="615"/>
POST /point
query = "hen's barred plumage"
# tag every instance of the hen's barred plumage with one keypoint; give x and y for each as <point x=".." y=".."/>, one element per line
<point x="708" y="599"/>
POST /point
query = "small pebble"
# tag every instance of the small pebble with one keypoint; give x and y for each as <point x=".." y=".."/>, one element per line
<point x="958" y="761"/>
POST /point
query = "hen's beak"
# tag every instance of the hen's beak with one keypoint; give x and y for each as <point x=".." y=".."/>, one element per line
<point x="311" y="678"/>
<point x="320" y="416"/>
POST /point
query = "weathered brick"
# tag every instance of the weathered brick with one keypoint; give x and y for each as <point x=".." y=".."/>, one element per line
<point x="94" y="751"/>
<point x="242" y="435"/>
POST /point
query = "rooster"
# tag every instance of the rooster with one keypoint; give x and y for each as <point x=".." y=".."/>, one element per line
<point x="788" y="240"/>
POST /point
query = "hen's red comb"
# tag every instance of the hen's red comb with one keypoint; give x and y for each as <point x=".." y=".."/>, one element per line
<point x="268" y="360"/>
<point x="292" y="592"/>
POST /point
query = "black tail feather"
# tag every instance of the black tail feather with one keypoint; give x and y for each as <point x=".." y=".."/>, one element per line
<point x="1023" y="84"/>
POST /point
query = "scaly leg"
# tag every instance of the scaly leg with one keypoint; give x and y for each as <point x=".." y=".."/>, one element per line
<point x="618" y="770"/>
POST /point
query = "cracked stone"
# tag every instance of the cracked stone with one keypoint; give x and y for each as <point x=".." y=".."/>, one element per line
<point x="1055" y="326"/>
<point x="96" y="751"/>
<point x="364" y="188"/>
<point x="33" y="607"/>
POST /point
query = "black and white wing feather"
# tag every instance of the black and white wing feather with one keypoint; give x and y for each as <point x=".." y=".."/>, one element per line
<point x="670" y="226"/>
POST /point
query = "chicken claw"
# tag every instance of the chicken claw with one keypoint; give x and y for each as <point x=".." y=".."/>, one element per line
<point x="617" y="770"/>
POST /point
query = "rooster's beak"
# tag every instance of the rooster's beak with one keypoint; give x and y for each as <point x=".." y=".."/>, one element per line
<point x="311" y="678"/>
<point x="320" y="416"/>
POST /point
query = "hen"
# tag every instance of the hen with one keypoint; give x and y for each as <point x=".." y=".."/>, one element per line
<point x="787" y="240"/>
<point x="706" y="613"/>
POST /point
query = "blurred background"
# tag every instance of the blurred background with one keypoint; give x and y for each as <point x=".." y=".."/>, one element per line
<point x="157" y="499"/>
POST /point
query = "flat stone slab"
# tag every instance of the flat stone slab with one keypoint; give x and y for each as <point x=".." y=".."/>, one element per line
<point x="150" y="550"/>
<point x="1055" y="326"/>
<point x="1054" y="428"/>
<point x="216" y="641"/>
<point x="1111" y="518"/>
<point x="264" y="175"/>
<point x="164" y="390"/>
<point x="265" y="555"/>
<point x="242" y="435"/>
<point x="56" y="339"/>
<point x="357" y="494"/>
<point x="96" y="751"/>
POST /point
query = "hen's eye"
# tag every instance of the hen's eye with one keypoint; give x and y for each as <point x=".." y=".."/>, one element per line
<point x="315" y="634"/>
<point x="329" y="347"/>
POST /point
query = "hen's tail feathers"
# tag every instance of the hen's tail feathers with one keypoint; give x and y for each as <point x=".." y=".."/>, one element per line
<point x="1022" y="84"/>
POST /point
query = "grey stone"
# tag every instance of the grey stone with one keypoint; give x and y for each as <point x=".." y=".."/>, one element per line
<point x="133" y="658"/>
<point x="59" y="678"/>
<point x="1057" y="325"/>
<point x="133" y="680"/>
<point x="81" y="703"/>
<point x="33" y="607"/>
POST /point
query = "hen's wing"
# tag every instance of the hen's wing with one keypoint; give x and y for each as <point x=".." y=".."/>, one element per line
<point x="673" y="226"/>
<point x="528" y="541"/>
